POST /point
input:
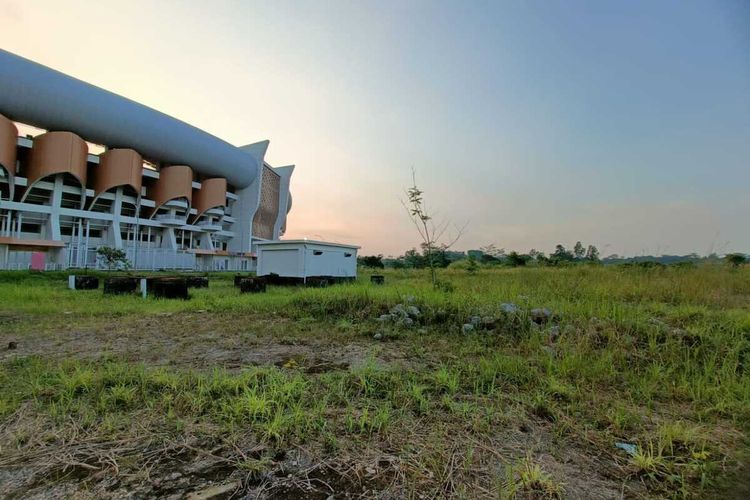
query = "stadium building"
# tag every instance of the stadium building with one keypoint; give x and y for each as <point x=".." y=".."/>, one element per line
<point x="103" y="171"/>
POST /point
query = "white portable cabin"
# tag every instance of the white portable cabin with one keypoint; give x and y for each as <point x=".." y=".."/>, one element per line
<point x="306" y="258"/>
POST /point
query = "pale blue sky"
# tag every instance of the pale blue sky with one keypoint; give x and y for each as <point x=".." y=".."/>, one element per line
<point x="623" y="124"/>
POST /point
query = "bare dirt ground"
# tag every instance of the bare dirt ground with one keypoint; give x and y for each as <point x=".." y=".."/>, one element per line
<point x="196" y="341"/>
<point x="199" y="469"/>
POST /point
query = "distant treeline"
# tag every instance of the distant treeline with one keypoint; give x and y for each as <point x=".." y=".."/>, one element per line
<point x="492" y="256"/>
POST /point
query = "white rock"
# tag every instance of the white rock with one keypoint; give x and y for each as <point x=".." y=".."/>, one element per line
<point x="509" y="308"/>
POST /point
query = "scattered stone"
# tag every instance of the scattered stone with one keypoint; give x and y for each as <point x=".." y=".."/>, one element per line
<point x="217" y="491"/>
<point x="489" y="323"/>
<point x="540" y="316"/>
<point x="398" y="310"/>
<point x="467" y="328"/>
<point x="378" y="336"/>
<point x="413" y="311"/>
<point x="12" y="345"/>
<point x="401" y="315"/>
<point x="475" y="321"/>
<point x="554" y="333"/>
<point x="629" y="448"/>
<point x="509" y="308"/>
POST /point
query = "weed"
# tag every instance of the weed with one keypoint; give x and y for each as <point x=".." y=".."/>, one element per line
<point x="527" y="479"/>
<point x="657" y="357"/>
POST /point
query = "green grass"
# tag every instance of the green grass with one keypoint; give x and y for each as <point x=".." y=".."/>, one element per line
<point x="655" y="357"/>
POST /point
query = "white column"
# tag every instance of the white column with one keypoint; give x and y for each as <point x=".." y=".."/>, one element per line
<point x="116" y="237"/>
<point x="55" y="204"/>
<point x="86" y="246"/>
<point x="79" y="247"/>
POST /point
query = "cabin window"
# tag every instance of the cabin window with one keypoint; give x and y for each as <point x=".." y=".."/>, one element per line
<point x="347" y="255"/>
<point x="317" y="252"/>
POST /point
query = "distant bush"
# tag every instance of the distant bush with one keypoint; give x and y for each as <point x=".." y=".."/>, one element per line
<point x="735" y="259"/>
<point x="465" y="265"/>
<point x="515" y="259"/>
<point x="373" y="261"/>
<point x="685" y="264"/>
<point x="647" y="264"/>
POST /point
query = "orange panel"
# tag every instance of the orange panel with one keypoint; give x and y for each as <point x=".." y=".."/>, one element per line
<point x="31" y="244"/>
<point x="57" y="153"/>
<point x="118" y="167"/>
<point x="212" y="194"/>
<point x="174" y="182"/>
<point x="8" y="138"/>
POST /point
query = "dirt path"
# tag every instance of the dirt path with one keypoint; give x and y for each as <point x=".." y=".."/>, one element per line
<point x="197" y="341"/>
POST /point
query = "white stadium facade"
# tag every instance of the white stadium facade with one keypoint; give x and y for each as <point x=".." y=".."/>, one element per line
<point x="103" y="171"/>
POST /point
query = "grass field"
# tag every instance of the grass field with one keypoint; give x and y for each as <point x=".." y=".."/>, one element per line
<point x="308" y="393"/>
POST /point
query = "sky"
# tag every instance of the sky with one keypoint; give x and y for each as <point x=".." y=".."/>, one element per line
<point x="621" y="124"/>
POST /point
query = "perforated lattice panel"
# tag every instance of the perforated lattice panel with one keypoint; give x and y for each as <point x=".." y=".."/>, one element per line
<point x="268" y="211"/>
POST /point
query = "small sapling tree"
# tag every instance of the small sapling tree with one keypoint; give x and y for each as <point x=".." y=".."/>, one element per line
<point x="113" y="257"/>
<point x="431" y="233"/>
